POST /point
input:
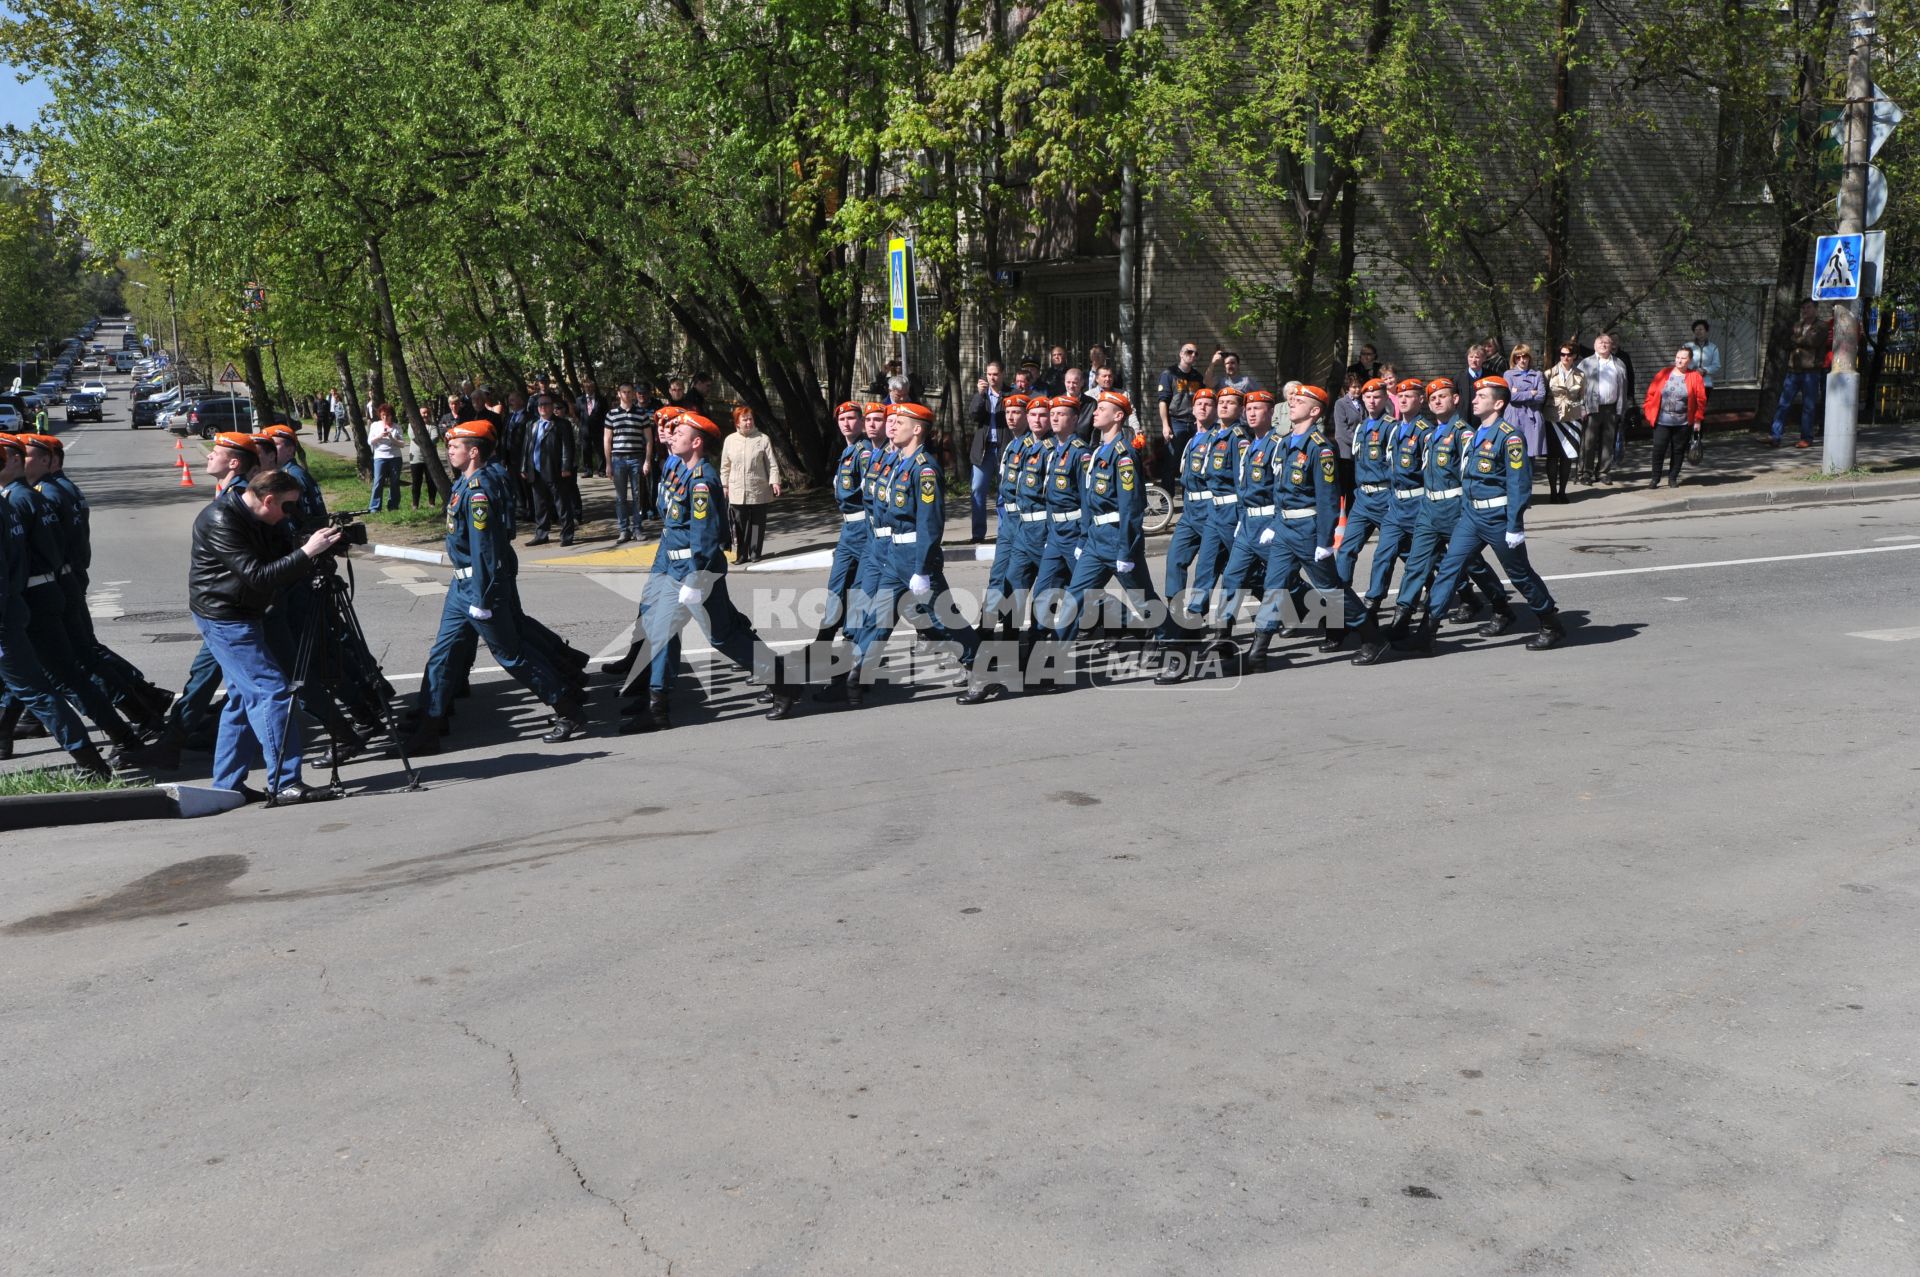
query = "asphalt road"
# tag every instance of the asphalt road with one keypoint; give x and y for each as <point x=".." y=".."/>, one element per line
<point x="1589" y="961"/>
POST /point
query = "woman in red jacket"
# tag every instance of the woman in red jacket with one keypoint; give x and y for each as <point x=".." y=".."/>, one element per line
<point x="1676" y="405"/>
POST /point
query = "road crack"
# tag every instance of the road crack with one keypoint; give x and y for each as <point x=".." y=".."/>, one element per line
<point x="517" y="1089"/>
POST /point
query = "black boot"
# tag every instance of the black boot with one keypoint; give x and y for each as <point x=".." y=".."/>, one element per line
<point x="654" y="718"/>
<point x="425" y="736"/>
<point x="1373" y="644"/>
<point x="784" y="697"/>
<point x="9" y="720"/>
<point x="1257" y="654"/>
<point x="834" y="693"/>
<point x="1401" y="626"/>
<point x="1333" y="640"/>
<point x="1552" y="633"/>
<point x="1465" y="605"/>
<point x="88" y="760"/>
<point x="1421" y="644"/>
<point x="569" y="721"/>
<point x="1501" y="622"/>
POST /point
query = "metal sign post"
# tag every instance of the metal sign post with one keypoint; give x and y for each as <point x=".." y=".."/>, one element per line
<point x="903" y="302"/>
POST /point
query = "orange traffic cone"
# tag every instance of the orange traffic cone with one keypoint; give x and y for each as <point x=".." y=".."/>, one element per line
<point x="180" y="462"/>
<point x="179" y="444"/>
<point x="186" y="476"/>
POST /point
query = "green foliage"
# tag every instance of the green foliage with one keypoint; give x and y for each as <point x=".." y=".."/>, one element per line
<point x="53" y="780"/>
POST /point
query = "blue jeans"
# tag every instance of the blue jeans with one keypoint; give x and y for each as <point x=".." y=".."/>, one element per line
<point x="627" y="480"/>
<point x="386" y="475"/>
<point x="984" y="483"/>
<point x="1811" y="389"/>
<point x="257" y="725"/>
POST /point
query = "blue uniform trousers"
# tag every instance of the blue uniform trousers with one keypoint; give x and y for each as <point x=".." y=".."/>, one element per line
<point x="1396" y="540"/>
<point x="29" y="683"/>
<point x="1050" y="578"/>
<point x="1189" y="535"/>
<point x="1245" y="568"/>
<point x="1368" y="513"/>
<point x="1091" y="572"/>
<point x="843" y="578"/>
<point x="60" y="655"/>
<point x="459" y="635"/>
<point x="1487" y="528"/>
<point x="1217" y="540"/>
<point x="1437" y="523"/>
<point x="1289" y="559"/>
<point x="726" y="627"/>
<point x="257" y="726"/>
<point x="192" y="716"/>
<point x="891" y="598"/>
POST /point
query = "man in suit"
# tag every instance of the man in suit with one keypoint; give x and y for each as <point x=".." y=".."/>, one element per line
<point x="513" y="453"/>
<point x="988" y="431"/>
<point x="590" y="411"/>
<point x="549" y="465"/>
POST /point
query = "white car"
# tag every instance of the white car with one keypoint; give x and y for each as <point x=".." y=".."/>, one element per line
<point x="10" y="422"/>
<point x="95" y="387"/>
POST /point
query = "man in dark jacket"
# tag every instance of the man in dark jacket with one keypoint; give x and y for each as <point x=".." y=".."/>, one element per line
<point x="549" y="463"/>
<point x="513" y="453"/>
<point x="590" y="412"/>
<point x="988" y="435"/>
<point x="240" y="563"/>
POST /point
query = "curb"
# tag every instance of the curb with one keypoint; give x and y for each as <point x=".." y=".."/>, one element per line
<point x="434" y="557"/>
<point x="1706" y="502"/>
<point x="160" y="802"/>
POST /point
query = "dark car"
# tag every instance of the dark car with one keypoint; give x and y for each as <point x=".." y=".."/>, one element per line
<point x="82" y="406"/>
<point x="209" y="417"/>
<point x="146" y="412"/>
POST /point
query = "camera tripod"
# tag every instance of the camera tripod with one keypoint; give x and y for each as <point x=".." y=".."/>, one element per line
<point x="333" y="655"/>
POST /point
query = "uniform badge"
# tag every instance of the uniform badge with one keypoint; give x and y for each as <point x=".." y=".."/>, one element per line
<point x="1100" y="486"/>
<point x="1516" y="454"/>
<point x="477" y="509"/>
<point x="1060" y="480"/>
<point x="1326" y="468"/>
<point x="1126" y="476"/>
<point x="700" y="503"/>
<point x="926" y="486"/>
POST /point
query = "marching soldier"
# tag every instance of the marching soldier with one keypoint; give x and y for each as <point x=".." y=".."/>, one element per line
<point x="1498" y="483"/>
<point x="1250" y="507"/>
<point x="25" y="680"/>
<point x="1306" y="489"/>
<point x="1016" y="410"/>
<point x="1196" y="511"/>
<point x="482" y="598"/>
<point x="58" y="648"/>
<point x="1446" y="447"/>
<point x="1115" y="514"/>
<point x="1369" y="506"/>
<point x="692" y="540"/>
<point x="1405" y="444"/>
<point x="1225" y="461"/>
<point x="914" y="567"/>
<point x="1064" y="478"/>
<point x="1024" y="524"/>
<point x="849" y="494"/>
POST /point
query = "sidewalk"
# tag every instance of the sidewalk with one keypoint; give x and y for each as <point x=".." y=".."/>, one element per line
<point x="1740" y="471"/>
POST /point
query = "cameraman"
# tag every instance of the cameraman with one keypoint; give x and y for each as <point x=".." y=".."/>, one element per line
<point x="239" y="564"/>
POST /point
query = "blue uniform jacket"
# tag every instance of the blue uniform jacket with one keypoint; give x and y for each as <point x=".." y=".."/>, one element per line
<point x="1224" y="455"/>
<point x="480" y="541"/>
<point x="1305" y="478"/>
<point x="916" y="508"/>
<point x="13" y="554"/>
<point x="313" y="506"/>
<point x="1407" y="453"/>
<point x="849" y="476"/>
<point x="694" y="519"/>
<point x="1440" y="468"/>
<point x="1372" y="451"/>
<point x="1110" y="498"/>
<point x="1066" y="473"/>
<point x="1193" y="462"/>
<point x="1497" y="466"/>
<point x="42" y="524"/>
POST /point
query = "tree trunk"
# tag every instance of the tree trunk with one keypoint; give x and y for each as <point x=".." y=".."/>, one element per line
<point x="256" y="375"/>
<point x="1343" y="286"/>
<point x="1559" y="192"/>
<point x="409" y="405"/>
<point x="356" y="420"/>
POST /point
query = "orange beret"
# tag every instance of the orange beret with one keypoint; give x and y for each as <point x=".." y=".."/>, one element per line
<point x="1118" y="400"/>
<point x="703" y="424"/>
<point x="261" y="439"/>
<point x="918" y="411"/>
<point x="1010" y="401"/>
<point x="1205" y="392"/>
<point x="1039" y="401"/>
<point x="1442" y="383"/>
<point x="49" y="442"/>
<point x="1259" y="396"/>
<point x="480" y="428"/>
<point x="1408" y="383"/>
<point x="1372" y="383"/>
<point x="14" y="442"/>
<point x="235" y="440"/>
<point x="277" y="429"/>
<point x="873" y="408"/>
<point x="1228" y="392"/>
<point x="1314" y="393"/>
<point x="1494" y="383"/>
<point x="1064" y="401"/>
<point x="849" y="406"/>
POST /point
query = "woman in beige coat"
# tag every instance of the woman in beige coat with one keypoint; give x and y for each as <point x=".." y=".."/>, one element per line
<point x="750" y="478"/>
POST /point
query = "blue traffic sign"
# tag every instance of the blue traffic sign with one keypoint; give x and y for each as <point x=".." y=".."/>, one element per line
<point x="903" y="310"/>
<point x="1836" y="268"/>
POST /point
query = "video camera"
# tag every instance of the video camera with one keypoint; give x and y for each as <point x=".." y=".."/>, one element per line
<point x="352" y="531"/>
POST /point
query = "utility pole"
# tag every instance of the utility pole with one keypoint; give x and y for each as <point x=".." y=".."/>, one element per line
<point x="1843" y="381"/>
<point x="1129" y="314"/>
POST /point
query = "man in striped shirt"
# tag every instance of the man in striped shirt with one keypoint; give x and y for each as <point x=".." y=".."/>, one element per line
<point x="628" y="436"/>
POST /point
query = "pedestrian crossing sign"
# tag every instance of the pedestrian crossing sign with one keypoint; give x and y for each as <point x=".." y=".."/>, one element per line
<point x="1836" y="268"/>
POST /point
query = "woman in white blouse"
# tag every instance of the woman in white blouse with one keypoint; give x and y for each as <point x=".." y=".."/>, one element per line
<point x="750" y="479"/>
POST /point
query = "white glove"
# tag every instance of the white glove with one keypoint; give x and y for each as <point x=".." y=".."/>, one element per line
<point x="480" y="613"/>
<point x="919" y="584"/>
<point x="1123" y="565"/>
<point x="1514" y="539"/>
<point x="1266" y="536"/>
<point x="1321" y="552"/>
<point x="1076" y="551"/>
<point x="689" y="593"/>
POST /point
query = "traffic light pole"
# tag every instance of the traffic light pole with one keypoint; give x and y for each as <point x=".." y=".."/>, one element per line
<point x="1843" y="381"/>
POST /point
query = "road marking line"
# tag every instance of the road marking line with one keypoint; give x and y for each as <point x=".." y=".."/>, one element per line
<point x="1888" y="636"/>
<point x="1729" y="563"/>
<point x="1903" y="537"/>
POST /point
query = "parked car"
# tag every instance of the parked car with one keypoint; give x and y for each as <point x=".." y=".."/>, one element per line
<point x="85" y="407"/>
<point x="31" y="404"/>
<point x="11" y="422"/>
<point x="95" y="387"/>
<point x="52" y="391"/>
<point x="147" y="412"/>
<point x="209" y="417"/>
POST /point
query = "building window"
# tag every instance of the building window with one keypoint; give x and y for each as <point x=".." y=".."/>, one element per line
<point x="1739" y="316"/>
<point x="1747" y="149"/>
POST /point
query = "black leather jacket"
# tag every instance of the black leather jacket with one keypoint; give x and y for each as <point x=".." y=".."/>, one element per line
<point x="239" y="562"/>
